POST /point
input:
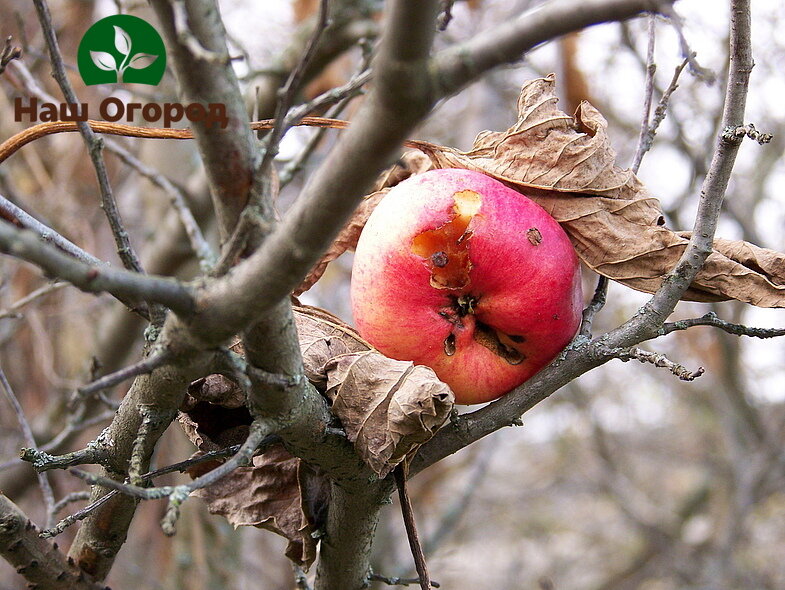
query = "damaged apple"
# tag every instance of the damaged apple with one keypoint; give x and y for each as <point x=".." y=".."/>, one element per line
<point x="456" y="271"/>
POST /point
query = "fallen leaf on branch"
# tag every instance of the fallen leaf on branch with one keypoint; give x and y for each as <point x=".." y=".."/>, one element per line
<point x="279" y="493"/>
<point x="388" y="408"/>
<point x="567" y="165"/>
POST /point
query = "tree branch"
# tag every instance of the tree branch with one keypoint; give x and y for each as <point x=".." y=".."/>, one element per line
<point x="461" y="64"/>
<point x="94" y="143"/>
<point x="38" y="560"/>
<point x="96" y="278"/>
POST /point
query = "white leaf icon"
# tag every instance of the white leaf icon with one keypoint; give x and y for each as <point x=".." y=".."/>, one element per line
<point x="122" y="41"/>
<point x="104" y="60"/>
<point x="141" y="60"/>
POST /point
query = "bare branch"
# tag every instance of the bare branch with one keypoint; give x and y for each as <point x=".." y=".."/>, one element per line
<point x="656" y="359"/>
<point x="204" y="253"/>
<point x="181" y="466"/>
<point x="711" y="319"/>
<point x="95" y="453"/>
<point x="22" y="219"/>
<point x="94" y="143"/>
<point x="9" y="53"/>
<point x="41" y="564"/>
<point x="411" y="529"/>
<point x="27" y="433"/>
<point x="648" y="94"/>
<point x="647" y="137"/>
<point x="595" y="305"/>
<point x="716" y="181"/>
<point x="146" y="365"/>
<point x="257" y="436"/>
<point x="286" y="94"/>
<point x="457" y="66"/>
<point x="66" y="500"/>
<point x="93" y="278"/>
<point x="12" y="310"/>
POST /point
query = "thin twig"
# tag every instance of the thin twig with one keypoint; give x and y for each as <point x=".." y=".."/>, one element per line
<point x="177" y="494"/>
<point x="94" y="143"/>
<point x="687" y="53"/>
<point x="9" y="53"/>
<point x="95" y="278"/>
<point x="287" y="93"/>
<point x="204" y="253"/>
<point x="411" y="529"/>
<point x="22" y="219"/>
<point x="291" y="169"/>
<point x="660" y="111"/>
<point x="396" y="581"/>
<point x="94" y="453"/>
<point x="711" y="319"/>
<point x="146" y="365"/>
<point x="654" y="358"/>
<point x="70" y="499"/>
<point x="596" y="304"/>
<point x="12" y="311"/>
<point x="648" y="93"/>
<point x="27" y="432"/>
<point x="330" y="97"/>
<point x="181" y="466"/>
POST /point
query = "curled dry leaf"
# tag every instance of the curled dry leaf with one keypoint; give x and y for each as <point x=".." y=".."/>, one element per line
<point x="567" y="165"/>
<point x="411" y="163"/>
<point x="279" y="493"/>
<point x="388" y="408"/>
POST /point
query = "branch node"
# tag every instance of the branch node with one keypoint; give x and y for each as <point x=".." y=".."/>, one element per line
<point x="735" y="135"/>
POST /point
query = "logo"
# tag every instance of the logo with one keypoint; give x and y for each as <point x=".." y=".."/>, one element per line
<point x="121" y="49"/>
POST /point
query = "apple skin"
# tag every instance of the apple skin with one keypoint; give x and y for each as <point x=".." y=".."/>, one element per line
<point x="484" y="323"/>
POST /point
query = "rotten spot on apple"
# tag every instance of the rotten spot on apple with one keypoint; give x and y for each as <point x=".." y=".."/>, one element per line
<point x="445" y="249"/>
<point x="456" y="271"/>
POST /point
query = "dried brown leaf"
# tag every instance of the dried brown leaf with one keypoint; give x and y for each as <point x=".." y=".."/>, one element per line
<point x="388" y="408"/>
<point x="278" y="493"/>
<point x="567" y="165"/>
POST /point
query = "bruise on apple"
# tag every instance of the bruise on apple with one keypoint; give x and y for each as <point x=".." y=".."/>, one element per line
<point x="445" y="252"/>
<point x="445" y="249"/>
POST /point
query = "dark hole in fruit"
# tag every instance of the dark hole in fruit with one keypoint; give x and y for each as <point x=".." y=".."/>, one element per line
<point x="439" y="259"/>
<point x="534" y="236"/>
<point x="515" y="338"/>
<point x="449" y="345"/>
<point x="494" y="341"/>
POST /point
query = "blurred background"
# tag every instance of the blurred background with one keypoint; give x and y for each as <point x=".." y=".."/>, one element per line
<point x="625" y="479"/>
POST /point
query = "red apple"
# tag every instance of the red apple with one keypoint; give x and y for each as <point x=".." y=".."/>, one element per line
<point x="456" y="271"/>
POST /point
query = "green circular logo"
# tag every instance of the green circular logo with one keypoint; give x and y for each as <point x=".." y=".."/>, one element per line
<point x="121" y="48"/>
